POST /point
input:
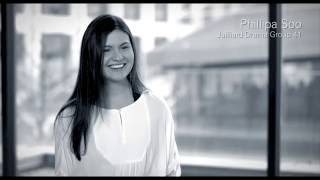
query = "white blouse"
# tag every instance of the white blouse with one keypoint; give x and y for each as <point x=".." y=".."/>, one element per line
<point x="136" y="140"/>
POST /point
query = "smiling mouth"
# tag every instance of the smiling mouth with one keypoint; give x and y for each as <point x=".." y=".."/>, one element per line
<point x="117" y="66"/>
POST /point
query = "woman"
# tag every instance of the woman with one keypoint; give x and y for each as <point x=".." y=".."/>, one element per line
<point x="111" y="124"/>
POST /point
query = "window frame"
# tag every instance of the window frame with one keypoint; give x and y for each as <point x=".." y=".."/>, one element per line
<point x="8" y="93"/>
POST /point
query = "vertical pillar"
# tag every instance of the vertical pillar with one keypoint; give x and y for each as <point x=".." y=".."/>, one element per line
<point x="274" y="96"/>
<point x="8" y="90"/>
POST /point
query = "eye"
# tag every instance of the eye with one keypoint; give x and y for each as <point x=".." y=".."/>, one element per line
<point x="125" y="47"/>
<point x="106" y="50"/>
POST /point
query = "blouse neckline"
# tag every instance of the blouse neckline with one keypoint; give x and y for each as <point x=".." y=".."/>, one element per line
<point x="124" y="107"/>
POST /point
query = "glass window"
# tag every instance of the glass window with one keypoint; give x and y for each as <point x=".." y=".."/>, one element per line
<point x="55" y="46"/>
<point x="227" y="7"/>
<point x="54" y="67"/>
<point x="137" y="41"/>
<point x="214" y="80"/>
<point x="161" y="12"/>
<point x="186" y="7"/>
<point x="132" y="11"/>
<point x="36" y="88"/>
<point x="207" y="13"/>
<point x="160" y="41"/>
<point x="56" y="9"/>
<point x="217" y="89"/>
<point x="300" y="123"/>
<point x="19" y="47"/>
<point x="95" y="10"/>
<point x="186" y="10"/>
<point x="43" y="75"/>
<point x="19" y="8"/>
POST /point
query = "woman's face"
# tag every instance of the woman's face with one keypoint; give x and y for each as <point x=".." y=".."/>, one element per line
<point x="118" y="56"/>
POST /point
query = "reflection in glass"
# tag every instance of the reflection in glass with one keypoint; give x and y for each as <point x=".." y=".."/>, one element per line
<point x="216" y="82"/>
<point x="161" y="12"/>
<point x="300" y="124"/>
<point x="56" y="9"/>
<point x="19" y="8"/>
<point x="95" y="10"/>
<point x="160" y="41"/>
<point x="44" y="78"/>
<point x="132" y="11"/>
<point x="216" y="87"/>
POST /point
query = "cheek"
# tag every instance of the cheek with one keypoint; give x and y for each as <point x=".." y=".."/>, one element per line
<point x="130" y="56"/>
<point x="131" y="60"/>
<point x="106" y="58"/>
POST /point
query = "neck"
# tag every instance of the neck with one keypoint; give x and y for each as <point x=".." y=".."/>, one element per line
<point x="113" y="88"/>
<point x="114" y="93"/>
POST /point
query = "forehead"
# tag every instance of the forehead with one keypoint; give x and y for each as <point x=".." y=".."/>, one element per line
<point x="117" y="37"/>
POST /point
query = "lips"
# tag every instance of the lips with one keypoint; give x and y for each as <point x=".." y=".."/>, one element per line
<point x="117" y="66"/>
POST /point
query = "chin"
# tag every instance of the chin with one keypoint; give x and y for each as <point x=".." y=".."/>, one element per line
<point x="118" y="78"/>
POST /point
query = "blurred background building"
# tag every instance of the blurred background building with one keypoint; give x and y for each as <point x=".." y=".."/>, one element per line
<point x="48" y="43"/>
<point x="217" y="88"/>
<point x="220" y="87"/>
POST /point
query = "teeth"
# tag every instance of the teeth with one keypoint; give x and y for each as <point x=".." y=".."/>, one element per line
<point x="116" y="66"/>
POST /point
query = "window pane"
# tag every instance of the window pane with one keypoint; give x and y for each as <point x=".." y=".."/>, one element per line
<point x="210" y="83"/>
<point x="186" y="10"/>
<point x="55" y="46"/>
<point x="95" y="10"/>
<point x="160" y="41"/>
<point x="19" y="8"/>
<point x="132" y="11"/>
<point x="216" y="82"/>
<point x="44" y="80"/>
<point x="300" y="135"/>
<point x="55" y="56"/>
<point x="19" y="47"/>
<point x="137" y="41"/>
<point x="56" y="9"/>
<point x="207" y="14"/>
<point x="161" y="12"/>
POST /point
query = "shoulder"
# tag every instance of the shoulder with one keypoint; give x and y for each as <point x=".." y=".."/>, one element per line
<point x="64" y="119"/>
<point x="157" y="102"/>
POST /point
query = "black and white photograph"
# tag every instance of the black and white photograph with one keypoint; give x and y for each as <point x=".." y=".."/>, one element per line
<point x="160" y="89"/>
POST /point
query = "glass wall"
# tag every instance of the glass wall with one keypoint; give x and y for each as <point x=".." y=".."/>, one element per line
<point x="132" y="11"/>
<point x="95" y="10"/>
<point x="300" y="123"/>
<point x="44" y="80"/>
<point x="217" y="87"/>
<point x="209" y="62"/>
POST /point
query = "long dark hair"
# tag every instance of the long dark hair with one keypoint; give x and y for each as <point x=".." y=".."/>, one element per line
<point x="90" y="78"/>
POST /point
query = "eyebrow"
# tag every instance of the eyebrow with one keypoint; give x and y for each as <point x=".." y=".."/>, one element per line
<point x="124" y="43"/>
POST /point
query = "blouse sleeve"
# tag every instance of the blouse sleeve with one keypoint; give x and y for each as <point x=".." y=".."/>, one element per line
<point x="63" y="155"/>
<point x="173" y="158"/>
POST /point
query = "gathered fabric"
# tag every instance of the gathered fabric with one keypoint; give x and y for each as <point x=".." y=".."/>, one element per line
<point x="136" y="140"/>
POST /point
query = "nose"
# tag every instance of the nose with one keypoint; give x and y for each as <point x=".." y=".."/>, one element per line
<point x="117" y="55"/>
